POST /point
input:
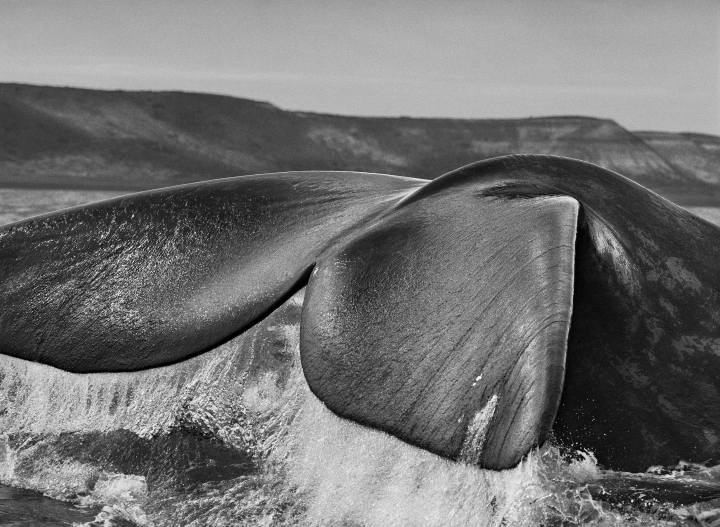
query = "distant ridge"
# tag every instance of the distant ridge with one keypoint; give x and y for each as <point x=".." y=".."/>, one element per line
<point x="72" y="137"/>
<point x="693" y="155"/>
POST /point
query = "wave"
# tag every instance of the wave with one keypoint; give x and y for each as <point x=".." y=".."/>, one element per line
<point x="235" y="437"/>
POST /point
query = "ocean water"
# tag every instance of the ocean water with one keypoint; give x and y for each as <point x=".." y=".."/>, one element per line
<point x="234" y="437"/>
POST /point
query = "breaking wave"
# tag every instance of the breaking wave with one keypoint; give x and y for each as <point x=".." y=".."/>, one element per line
<point x="235" y="437"/>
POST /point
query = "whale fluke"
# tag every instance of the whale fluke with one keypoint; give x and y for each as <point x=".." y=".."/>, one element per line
<point x="420" y="327"/>
<point x="155" y="277"/>
<point x="469" y="315"/>
<point x="642" y="380"/>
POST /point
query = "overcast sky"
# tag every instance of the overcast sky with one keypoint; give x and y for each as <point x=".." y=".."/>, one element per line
<point x="651" y="64"/>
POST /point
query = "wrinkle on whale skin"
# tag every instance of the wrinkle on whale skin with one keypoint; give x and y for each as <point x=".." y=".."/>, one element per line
<point x="499" y="303"/>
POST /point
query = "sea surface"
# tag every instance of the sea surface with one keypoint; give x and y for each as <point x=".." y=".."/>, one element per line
<point x="234" y="437"/>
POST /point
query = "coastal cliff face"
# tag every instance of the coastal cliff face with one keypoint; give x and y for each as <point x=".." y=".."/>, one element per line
<point x="67" y="137"/>
<point x="693" y="155"/>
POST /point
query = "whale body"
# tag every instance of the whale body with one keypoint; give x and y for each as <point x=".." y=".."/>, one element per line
<point x="474" y="316"/>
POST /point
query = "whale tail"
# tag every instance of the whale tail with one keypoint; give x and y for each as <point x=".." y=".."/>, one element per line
<point x="420" y="327"/>
<point x="156" y="277"/>
<point x="467" y="316"/>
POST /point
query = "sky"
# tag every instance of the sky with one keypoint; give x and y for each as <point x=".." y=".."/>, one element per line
<point x="648" y="64"/>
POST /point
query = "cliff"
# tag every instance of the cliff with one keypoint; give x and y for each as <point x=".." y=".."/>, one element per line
<point x="68" y="137"/>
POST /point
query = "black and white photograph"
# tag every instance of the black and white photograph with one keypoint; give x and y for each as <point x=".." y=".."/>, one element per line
<point x="321" y="263"/>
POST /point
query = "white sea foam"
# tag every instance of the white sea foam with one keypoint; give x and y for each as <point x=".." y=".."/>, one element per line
<point x="121" y="496"/>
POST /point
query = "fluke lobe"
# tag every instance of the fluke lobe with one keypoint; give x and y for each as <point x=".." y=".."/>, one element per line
<point x="472" y="315"/>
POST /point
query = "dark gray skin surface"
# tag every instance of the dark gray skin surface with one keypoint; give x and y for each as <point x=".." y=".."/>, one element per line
<point x="156" y="277"/>
<point x="642" y="382"/>
<point x="417" y="293"/>
<point x="390" y="342"/>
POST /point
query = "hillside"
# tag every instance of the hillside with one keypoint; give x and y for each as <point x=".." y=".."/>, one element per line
<point x="67" y="137"/>
<point x="694" y="155"/>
